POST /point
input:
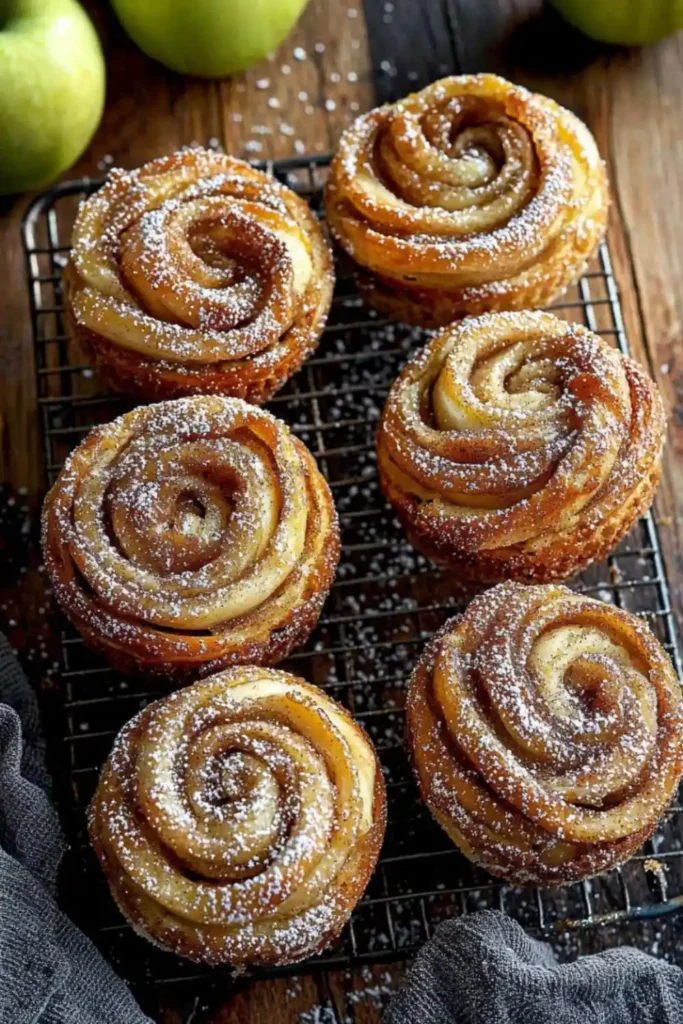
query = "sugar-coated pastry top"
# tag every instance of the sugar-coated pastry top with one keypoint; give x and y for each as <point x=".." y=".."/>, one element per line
<point x="473" y="194"/>
<point x="547" y="732"/>
<point x="189" y="535"/>
<point x="521" y="444"/>
<point x="197" y="273"/>
<point x="239" y="819"/>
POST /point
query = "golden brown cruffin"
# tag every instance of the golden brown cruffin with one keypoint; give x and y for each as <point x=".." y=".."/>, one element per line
<point x="191" y="535"/>
<point x="472" y="195"/>
<point x="518" y="446"/>
<point x="239" y="820"/>
<point x="197" y="274"/>
<point x="546" y="732"/>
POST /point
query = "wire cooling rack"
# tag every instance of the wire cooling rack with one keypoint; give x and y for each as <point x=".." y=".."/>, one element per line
<point x="386" y="602"/>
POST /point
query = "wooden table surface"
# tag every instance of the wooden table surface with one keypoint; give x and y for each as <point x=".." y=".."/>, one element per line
<point x="339" y="60"/>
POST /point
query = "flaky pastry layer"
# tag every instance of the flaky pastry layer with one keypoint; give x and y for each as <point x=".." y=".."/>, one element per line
<point x="239" y="820"/>
<point x="191" y="535"/>
<point x="197" y="274"/>
<point x="472" y="195"/>
<point x="546" y="732"/>
<point x="518" y="446"/>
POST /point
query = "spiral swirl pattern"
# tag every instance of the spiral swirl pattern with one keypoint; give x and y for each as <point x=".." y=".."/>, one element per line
<point x="239" y="820"/>
<point x="546" y="731"/>
<point x="190" y="535"/>
<point x="518" y="446"/>
<point x="197" y="273"/>
<point x="470" y="196"/>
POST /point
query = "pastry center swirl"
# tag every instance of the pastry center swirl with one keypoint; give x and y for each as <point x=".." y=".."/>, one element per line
<point x="562" y="706"/>
<point x="195" y="517"/>
<point x="462" y="155"/>
<point x="507" y="409"/>
<point x="254" y="795"/>
<point x="207" y="261"/>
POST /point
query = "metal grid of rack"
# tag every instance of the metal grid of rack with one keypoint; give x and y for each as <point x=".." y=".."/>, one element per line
<point x="385" y="603"/>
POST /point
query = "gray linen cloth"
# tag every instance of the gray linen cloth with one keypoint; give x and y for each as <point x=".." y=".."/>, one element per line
<point x="49" y="971"/>
<point x="484" y="969"/>
<point x="480" y="969"/>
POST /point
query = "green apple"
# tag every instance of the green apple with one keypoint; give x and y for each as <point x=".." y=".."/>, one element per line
<point x="628" y="22"/>
<point x="211" y="38"/>
<point x="51" y="89"/>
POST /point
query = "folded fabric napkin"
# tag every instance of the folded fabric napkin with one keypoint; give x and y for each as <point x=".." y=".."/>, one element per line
<point x="49" y="971"/>
<point x="484" y="969"/>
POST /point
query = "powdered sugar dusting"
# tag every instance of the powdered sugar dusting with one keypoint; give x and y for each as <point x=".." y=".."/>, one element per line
<point x="230" y="818"/>
<point x="512" y="437"/>
<point x="471" y="194"/>
<point x="193" y="531"/>
<point x="546" y="733"/>
<point x="196" y="262"/>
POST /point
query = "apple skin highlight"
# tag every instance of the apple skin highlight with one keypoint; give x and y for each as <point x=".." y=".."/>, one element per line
<point x="623" y="22"/>
<point x="52" y="88"/>
<point x="208" y="38"/>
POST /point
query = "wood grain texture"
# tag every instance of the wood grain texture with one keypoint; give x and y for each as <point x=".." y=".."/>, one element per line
<point x="647" y="165"/>
<point x="19" y="447"/>
<point x="414" y="43"/>
<point x="631" y="100"/>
